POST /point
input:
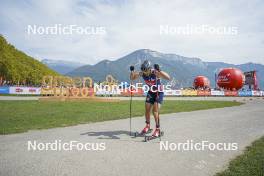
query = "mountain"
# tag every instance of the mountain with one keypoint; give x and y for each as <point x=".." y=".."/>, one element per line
<point x="61" y="66"/>
<point x="16" y="66"/>
<point x="182" y="69"/>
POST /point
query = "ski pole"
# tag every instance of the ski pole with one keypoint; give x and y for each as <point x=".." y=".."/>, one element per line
<point x="158" y="108"/>
<point x="130" y="113"/>
<point x="156" y="67"/>
<point x="130" y="106"/>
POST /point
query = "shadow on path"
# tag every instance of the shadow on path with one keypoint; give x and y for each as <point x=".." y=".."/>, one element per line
<point x="107" y="134"/>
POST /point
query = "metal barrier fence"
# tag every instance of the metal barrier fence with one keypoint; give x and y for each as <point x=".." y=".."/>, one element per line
<point x="17" y="90"/>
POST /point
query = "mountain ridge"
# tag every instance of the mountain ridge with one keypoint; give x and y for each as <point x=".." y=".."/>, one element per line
<point x="182" y="69"/>
<point x="61" y="66"/>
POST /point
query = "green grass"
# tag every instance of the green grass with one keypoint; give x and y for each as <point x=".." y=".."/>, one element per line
<point x="21" y="116"/>
<point x="251" y="163"/>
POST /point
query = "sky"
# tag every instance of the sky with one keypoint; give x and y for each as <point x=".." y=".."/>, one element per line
<point x="119" y="27"/>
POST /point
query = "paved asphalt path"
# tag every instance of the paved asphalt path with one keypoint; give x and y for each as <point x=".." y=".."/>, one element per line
<point x="130" y="156"/>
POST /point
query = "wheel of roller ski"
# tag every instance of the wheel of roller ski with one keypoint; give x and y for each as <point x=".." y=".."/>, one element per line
<point x="136" y="134"/>
<point x="161" y="133"/>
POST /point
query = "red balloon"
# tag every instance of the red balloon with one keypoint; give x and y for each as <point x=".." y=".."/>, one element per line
<point x="231" y="79"/>
<point x="201" y="82"/>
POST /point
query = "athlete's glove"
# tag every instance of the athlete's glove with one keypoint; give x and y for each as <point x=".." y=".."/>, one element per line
<point x="132" y="68"/>
<point x="156" y="67"/>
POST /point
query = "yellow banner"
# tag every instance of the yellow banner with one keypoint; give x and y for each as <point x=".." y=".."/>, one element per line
<point x="189" y="92"/>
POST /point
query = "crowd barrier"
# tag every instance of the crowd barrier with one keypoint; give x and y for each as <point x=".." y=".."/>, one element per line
<point x="17" y="90"/>
<point x="189" y="92"/>
<point x="25" y="90"/>
<point x="231" y="93"/>
<point x="4" y="90"/>
<point x="204" y="93"/>
<point x="173" y="92"/>
<point x="107" y="93"/>
<point x="245" y="93"/>
<point x="127" y="92"/>
<point x="20" y="90"/>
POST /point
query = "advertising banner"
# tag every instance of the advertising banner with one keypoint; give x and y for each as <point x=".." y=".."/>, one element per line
<point x="177" y="92"/>
<point x="231" y="93"/>
<point x="203" y="93"/>
<point x="4" y="90"/>
<point x="256" y="93"/>
<point x="104" y="92"/>
<point x="245" y="93"/>
<point x="189" y="92"/>
<point x="100" y="92"/>
<point x="138" y="92"/>
<point x="25" y="90"/>
<point x="217" y="93"/>
<point x="168" y="92"/>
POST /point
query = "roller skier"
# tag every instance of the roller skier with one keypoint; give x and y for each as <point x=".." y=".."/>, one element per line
<point x="152" y="78"/>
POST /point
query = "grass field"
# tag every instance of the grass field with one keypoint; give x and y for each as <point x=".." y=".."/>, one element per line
<point x="251" y="163"/>
<point x="21" y="116"/>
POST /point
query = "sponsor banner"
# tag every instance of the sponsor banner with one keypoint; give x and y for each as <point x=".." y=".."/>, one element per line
<point x="139" y="92"/>
<point x="104" y="92"/>
<point x="217" y="93"/>
<point x="4" y="90"/>
<point x="231" y="93"/>
<point x="168" y="92"/>
<point x="100" y="92"/>
<point x="256" y="93"/>
<point x="177" y="92"/>
<point x="25" y="90"/>
<point x="245" y="93"/>
<point x="203" y="93"/>
<point x="189" y="92"/>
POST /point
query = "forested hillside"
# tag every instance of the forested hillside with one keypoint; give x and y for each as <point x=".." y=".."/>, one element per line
<point x="19" y="68"/>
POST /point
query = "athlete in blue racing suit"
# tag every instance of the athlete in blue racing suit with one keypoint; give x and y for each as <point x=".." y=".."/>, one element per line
<point x="155" y="93"/>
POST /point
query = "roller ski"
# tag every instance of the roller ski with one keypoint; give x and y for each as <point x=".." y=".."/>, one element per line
<point x="145" y="131"/>
<point x="156" y="134"/>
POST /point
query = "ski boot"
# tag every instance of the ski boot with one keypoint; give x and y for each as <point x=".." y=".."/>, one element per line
<point x="146" y="130"/>
<point x="156" y="134"/>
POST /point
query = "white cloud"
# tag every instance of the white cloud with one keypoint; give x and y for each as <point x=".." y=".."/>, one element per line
<point x="132" y="25"/>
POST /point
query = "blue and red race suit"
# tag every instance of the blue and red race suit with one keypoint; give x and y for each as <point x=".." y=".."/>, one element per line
<point x="155" y="93"/>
